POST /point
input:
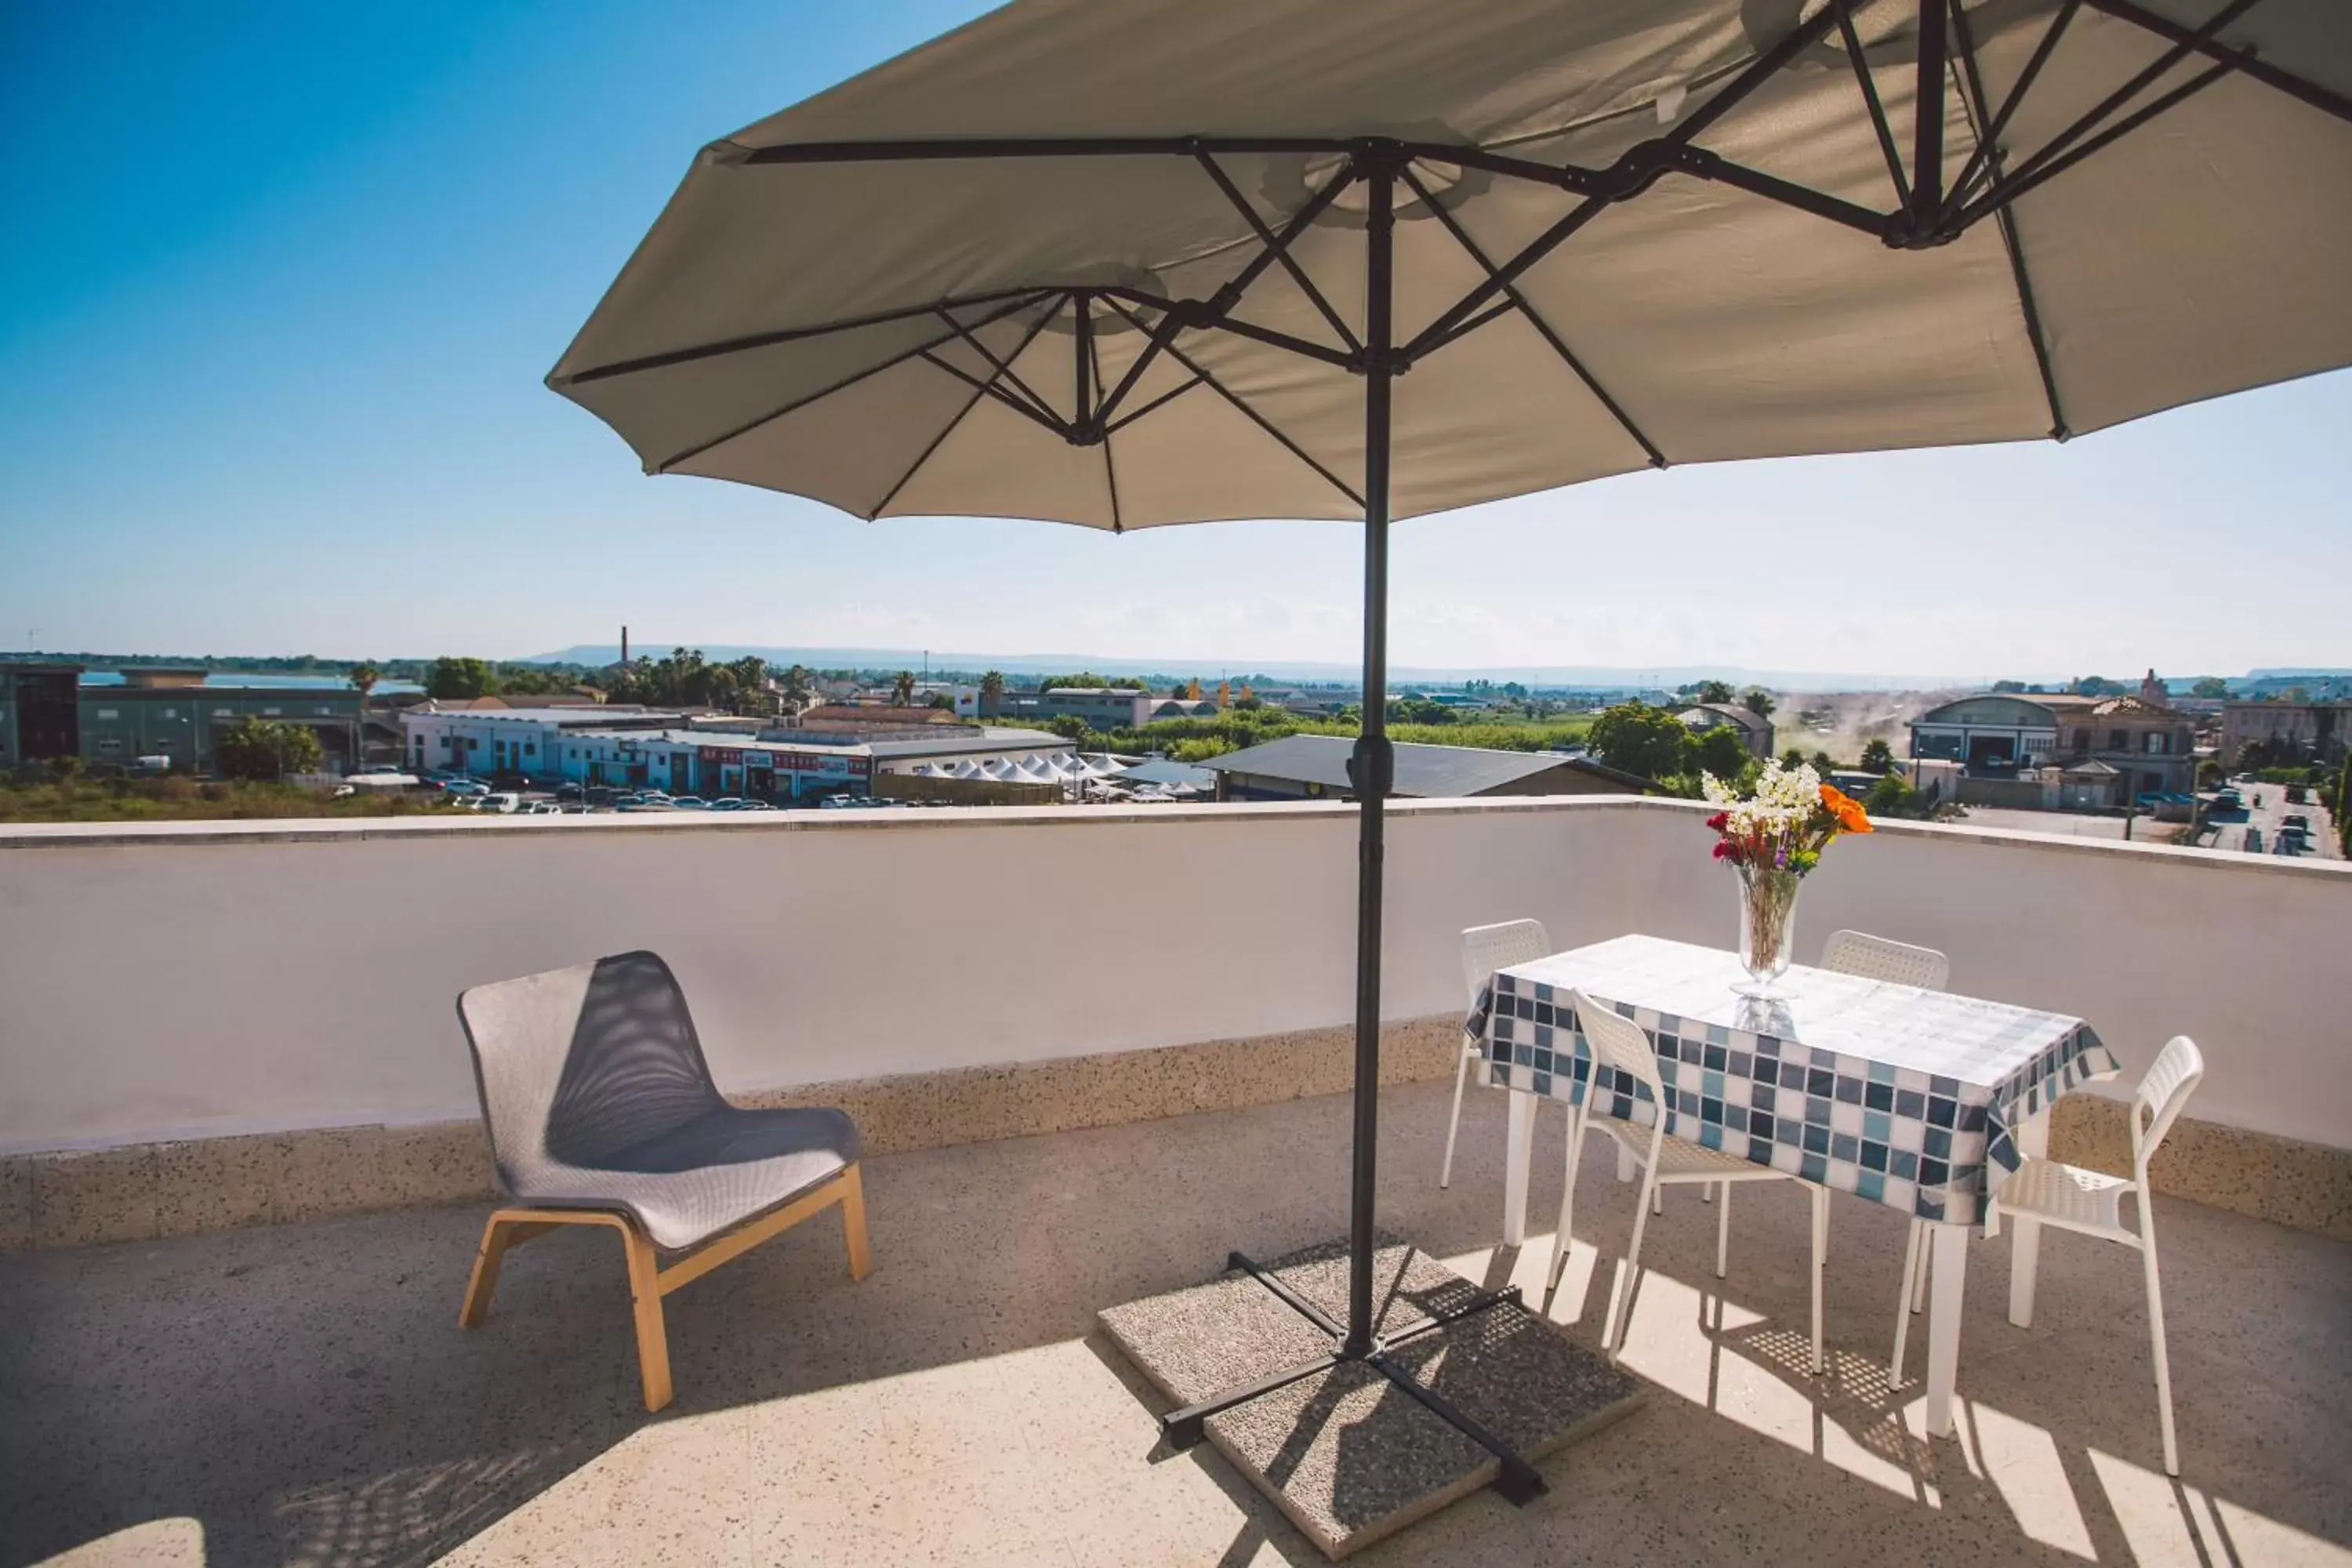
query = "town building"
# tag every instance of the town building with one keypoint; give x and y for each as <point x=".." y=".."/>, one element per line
<point x="1101" y="707"/>
<point x="2100" y="752"/>
<point x="1755" y="730"/>
<point x="2321" y="730"/>
<point x="502" y="741"/>
<point x="173" y="712"/>
<point x="1315" y="768"/>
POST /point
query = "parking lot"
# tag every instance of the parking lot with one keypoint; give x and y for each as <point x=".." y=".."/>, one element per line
<point x="2255" y="828"/>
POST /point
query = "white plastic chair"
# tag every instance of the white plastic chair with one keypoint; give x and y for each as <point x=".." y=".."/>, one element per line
<point x="2092" y="1202"/>
<point x="1883" y="958"/>
<point x="1485" y="949"/>
<point x="1619" y="1042"/>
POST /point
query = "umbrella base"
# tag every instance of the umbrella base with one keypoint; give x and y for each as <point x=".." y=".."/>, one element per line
<point x="1459" y="1389"/>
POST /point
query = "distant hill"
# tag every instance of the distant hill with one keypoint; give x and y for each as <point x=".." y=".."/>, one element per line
<point x="1596" y="677"/>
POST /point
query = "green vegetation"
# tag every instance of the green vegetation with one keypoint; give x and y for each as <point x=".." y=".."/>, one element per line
<point x="686" y="680"/>
<point x="1635" y="738"/>
<point x="73" y="799"/>
<point x="1877" y="757"/>
<point x="2211" y="686"/>
<point x="1253" y="724"/>
<point x="262" y="749"/>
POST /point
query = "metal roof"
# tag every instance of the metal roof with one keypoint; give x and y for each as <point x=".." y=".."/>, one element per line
<point x="1429" y="772"/>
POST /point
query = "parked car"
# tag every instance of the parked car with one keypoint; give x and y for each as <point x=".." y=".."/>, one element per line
<point x="729" y="802"/>
<point x="755" y="805"/>
<point x="630" y="803"/>
<point x="543" y="808"/>
<point x="691" y="803"/>
<point x="504" y="802"/>
<point x="2228" y="800"/>
<point x="470" y="788"/>
<point x="568" y="789"/>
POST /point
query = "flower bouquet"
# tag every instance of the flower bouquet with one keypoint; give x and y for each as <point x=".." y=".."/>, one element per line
<point x="1772" y="837"/>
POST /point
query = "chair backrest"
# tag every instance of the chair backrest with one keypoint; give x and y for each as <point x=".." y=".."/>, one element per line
<point x="1485" y="949"/>
<point x="576" y="1065"/>
<point x="1617" y="1041"/>
<point x="1882" y="958"/>
<point x="2163" y="1090"/>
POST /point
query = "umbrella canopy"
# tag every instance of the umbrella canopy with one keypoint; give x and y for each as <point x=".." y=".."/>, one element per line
<point x="924" y="334"/>
<point x="1176" y="260"/>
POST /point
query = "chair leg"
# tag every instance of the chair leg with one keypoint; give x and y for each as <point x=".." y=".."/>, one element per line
<point x="1820" y="1263"/>
<point x="1454" y="1122"/>
<point x="2156" y="1337"/>
<point x="1927" y="1262"/>
<point x="1567" y="1201"/>
<point x="853" y="1222"/>
<point x="1914" y="1267"/>
<point x="1706" y="1191"/>
<point x="484" y="1283"/>
<point x="644" y="1297"/>
<point x="1722" y="1230"/>
<point x="1625" y="1323"/>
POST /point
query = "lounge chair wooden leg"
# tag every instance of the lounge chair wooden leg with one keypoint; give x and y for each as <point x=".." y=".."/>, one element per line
<point x="645" y="1297"/>
<point x="853" y="1222"/>
<point x="484" y="1283"/>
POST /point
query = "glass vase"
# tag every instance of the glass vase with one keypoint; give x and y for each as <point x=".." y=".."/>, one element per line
<point x="1767" y="919"/>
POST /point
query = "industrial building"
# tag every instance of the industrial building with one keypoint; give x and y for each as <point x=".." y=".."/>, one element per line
<point x="172" y="713"/>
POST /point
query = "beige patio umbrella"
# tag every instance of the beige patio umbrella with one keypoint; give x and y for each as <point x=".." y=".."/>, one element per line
<point x="1168" y="261"/>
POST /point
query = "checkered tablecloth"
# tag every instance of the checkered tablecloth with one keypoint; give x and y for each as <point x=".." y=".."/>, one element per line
<point x="1898" y="1095"/>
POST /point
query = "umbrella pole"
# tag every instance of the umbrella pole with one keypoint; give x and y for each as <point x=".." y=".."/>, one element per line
<point x="1372" y="768"/>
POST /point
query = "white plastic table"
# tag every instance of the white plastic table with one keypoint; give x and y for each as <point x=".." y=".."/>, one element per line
<point x="1918" y="1100"/>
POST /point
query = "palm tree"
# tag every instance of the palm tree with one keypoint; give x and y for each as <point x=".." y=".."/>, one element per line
<point x="363" y="677"/>
<point x="795" y="690"/>
<point x="902" y="689"/>
<point x="991" y="694"/>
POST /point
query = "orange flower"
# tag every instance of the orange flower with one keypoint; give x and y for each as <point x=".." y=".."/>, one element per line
<point x="1851" y="817"/>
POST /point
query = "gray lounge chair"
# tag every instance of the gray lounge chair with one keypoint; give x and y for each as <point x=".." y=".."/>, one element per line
<point x="602" y="1110"/>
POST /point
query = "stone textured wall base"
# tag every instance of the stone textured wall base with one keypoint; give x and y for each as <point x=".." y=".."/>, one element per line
<point x="2305" y="1186"/>
<point x="146" y="1190"/>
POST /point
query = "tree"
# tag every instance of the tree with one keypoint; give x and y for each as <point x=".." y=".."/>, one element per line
<point x="2211" y="686"/>
<point x="1877" y="757"/>
<point x="1792" y="759"/>
<point x="456" y="679"/>
<point x="1822" y="764"/>
<point x="1758" y="701"/>
<point x="1087" y="678"/>
<point x="1711" y="691"/>
<point x="2008" y="686"/>
<point x="940" y="699"/>
<point x="1891" y="797"/>
<point x="264" y="749"/>
<point x="902" y="689"/>
<point x="1635" y="738"/>
<point x="992" y="693"/>
<point x="1722" y="752"/>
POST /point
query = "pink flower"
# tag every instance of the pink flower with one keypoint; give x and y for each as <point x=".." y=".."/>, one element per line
<point x="1723" y="849"/>
<point x="1717" y="820"/>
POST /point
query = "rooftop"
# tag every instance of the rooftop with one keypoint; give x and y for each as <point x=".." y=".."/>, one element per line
<point x="214" y="1355"/>
<point x="301" y="1394"/>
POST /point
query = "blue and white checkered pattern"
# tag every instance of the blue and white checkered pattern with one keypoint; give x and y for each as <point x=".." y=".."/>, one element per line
<point x="1898" y="1095"/>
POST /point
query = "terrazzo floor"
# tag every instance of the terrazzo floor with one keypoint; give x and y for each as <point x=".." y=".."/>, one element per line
<point x="302" y="1394"/>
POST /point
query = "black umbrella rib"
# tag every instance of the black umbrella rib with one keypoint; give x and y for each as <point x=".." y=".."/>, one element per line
<point x="1255" y="417"/>
<point x="961" y="415"/>
<point x="2241" y="60"/>
<point x="2040" y="170"/>
<point x="1279" y="249"/>
<point x="1534" y="318"/>
<point x="917" y="351"/>
<point x="1868" y="81"/>
<point x="988" y="388"/>
<point x="1093" y="359"/>
<point x="791" y="335"/>
<point x="923" y="150"/>
<point x="1975" y="102"/>
<point x="1633" y="171"/>
<point x="2055" y="155"/>
<point x="1989" y="134"/>
<point x="1129" y="417"/>
<point x="1039" y="409"/>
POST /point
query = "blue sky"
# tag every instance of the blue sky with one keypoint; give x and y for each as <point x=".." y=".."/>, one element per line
<point x="279" y="285"/>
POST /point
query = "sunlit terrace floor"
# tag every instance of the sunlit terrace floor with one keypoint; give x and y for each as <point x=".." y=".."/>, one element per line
<point x="303" y="1394"/>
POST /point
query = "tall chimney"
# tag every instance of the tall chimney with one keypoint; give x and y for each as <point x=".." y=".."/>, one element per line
<point x="625" y="645"/>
